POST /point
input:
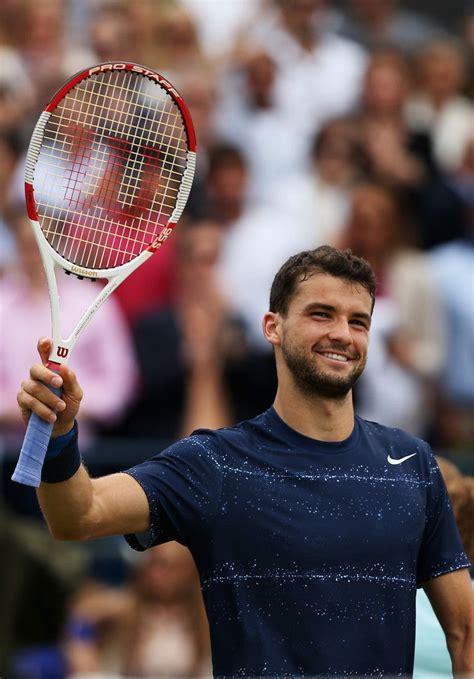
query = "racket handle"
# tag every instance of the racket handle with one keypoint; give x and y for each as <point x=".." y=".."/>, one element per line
<point x="33" y="451"/>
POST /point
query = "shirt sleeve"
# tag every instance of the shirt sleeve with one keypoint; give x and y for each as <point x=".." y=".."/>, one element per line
<point x="183" y="487"/>
<point x="441" y="550"/>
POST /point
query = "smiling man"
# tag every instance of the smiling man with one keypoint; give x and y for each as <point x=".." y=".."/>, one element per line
<point x="310" y="527"/>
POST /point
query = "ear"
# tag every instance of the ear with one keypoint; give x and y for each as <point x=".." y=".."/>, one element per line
<point x="271" y="326"/>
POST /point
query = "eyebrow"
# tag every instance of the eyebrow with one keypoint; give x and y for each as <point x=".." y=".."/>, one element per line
<point x="328" y="307"/>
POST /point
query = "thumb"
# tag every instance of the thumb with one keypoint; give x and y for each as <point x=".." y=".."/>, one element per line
<point x="44" y="348"/>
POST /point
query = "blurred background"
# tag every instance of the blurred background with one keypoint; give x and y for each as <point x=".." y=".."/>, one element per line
<point x="349" y="123"/>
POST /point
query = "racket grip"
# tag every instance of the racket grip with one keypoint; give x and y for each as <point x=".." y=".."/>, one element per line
<point x="33" y="451"/>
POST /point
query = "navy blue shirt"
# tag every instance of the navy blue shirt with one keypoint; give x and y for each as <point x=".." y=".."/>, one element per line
<point x="309" y="553"/>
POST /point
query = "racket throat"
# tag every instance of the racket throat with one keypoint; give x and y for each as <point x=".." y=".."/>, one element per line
<point x="59" y="355"/>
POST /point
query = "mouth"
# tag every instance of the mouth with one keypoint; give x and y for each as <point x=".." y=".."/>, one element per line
<point x="334" y="357"/>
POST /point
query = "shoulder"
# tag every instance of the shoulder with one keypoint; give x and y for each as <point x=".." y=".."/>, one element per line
<point x="204" y="444"/>
<point x="218" y="440"/>
<point x="391" y="433"/>
<point x="398" y="444"/>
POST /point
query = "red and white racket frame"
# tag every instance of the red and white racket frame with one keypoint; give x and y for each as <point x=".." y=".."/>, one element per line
<point x="62" y="347"/>
<point x="28" y="469"/>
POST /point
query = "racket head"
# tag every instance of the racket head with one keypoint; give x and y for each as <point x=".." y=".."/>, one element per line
<point x="109" y="168"/>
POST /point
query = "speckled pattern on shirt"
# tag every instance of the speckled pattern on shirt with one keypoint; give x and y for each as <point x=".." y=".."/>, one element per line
<point x="309" y="553"/>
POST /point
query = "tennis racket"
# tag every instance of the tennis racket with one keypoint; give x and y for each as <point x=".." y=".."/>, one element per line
<point x="108" y="171"/>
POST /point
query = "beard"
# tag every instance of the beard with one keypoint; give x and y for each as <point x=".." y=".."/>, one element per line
<point x="314" y="381"/>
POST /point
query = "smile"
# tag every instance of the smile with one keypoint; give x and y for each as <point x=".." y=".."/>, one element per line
<point x="334" y="357"/>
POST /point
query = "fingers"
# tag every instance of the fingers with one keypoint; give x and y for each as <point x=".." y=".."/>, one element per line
<point x="44" y="348"/>
<point x="37" y="398"/>
<point x="66" y="379"/>
<point x="71" y="389"/>
<point x="42" y="374"/>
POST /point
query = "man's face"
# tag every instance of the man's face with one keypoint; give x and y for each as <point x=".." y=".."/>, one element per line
<point x="324" y="336"/>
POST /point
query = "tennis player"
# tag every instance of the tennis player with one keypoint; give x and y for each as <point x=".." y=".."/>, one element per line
<point x="310" y="527"/>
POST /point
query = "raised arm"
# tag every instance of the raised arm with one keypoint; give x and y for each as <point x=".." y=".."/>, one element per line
<point x="78" y="508"/>
<point x="452" y="599"/>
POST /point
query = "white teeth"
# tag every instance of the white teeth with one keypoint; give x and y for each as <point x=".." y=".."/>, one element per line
<point x="337" y="357"/>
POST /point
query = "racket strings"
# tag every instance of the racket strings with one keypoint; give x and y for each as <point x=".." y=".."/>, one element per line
<point x="109" y="173"/>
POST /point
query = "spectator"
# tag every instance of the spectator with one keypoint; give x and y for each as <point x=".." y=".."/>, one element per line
<point x="182" y="348"/>
<point x="395" y="156"/>
<point x="104" y="354"/>
<point x="156" y="627"/>
<point x="245" y="276"/>
<point x="253" y="120"/>
<point x="320" y="199"/>
<point x="318" y="75"/>
<point x="401" y="158"/>
<point x="406" y="334"/>
<point x="438" y="106"/>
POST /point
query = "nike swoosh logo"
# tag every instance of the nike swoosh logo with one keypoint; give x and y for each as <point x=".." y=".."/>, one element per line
<point x="392" y="460"/>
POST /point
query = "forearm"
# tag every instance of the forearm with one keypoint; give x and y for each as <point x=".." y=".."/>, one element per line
<point x="451" y="597"/>
<point x="77" y="507"/>
<point x="66" y="491"/>
<point x="67" y="506"/>
<point x="461" y="649"/>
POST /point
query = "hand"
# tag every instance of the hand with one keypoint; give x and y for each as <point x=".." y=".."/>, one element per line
<point x="391" y="160"/>
<point x="203" y="312"/>
<point x="200" y="339"/>
<point x="399" y="346"/>
<point x="34" y="396"/>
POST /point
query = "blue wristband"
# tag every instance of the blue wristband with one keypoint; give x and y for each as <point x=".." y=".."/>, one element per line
<point x="63" y="458"/>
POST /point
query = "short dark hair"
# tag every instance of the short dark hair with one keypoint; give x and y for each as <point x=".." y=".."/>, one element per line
<point x="325" y="259"/>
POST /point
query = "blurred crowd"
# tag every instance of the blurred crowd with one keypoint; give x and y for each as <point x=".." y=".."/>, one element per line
<point x="349" y="123"/>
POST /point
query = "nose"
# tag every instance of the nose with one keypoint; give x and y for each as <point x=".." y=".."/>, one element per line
<point x="340" y="331"/>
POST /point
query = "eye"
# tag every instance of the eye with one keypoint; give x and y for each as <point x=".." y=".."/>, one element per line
<point x="320" y="314"/>
<point x="361" y="324"/>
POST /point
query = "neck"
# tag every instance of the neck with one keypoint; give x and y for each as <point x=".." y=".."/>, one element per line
<point x="317" y="417"/>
